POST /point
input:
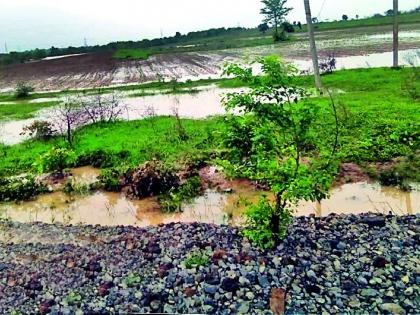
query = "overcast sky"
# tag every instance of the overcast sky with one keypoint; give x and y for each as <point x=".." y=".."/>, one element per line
<point x="26" y="24"/>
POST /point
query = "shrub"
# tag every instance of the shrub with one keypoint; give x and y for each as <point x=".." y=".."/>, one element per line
<point x="20" y="188"/>
<point x="150" y="179"/>
<point x="110" y="178"/>
<point x="283" y="150"/>
<point x="287" y="27"/>
<point x="173" y="200"/>
<point x="23" y="90"/>
<point x="42" y="130"/>
<point x="77" y="187"/>
<point x="259" y="227"/>
<point x="55" y="160"/>
<point x="328" y="65"/>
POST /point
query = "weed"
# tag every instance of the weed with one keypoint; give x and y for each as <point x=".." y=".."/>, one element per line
<point x="196" y="259"/>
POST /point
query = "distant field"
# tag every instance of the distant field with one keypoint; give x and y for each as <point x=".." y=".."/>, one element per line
<point x="373" y="21"/>
<point x="133" y="54"/>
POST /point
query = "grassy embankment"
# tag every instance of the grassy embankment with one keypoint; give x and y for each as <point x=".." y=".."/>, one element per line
<point x="379" y="122"/>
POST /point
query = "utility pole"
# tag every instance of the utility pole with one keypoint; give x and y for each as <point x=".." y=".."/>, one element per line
<point x="395" y="35"/>
<point x="313" y="45"/>
<point x="5" y="48"/>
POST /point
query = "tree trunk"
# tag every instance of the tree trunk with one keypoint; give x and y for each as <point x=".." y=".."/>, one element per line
<point x="69" y="132"/>
<point x="395" y="34"/>
<point x="277" y="29"/>
<point x="314" y="52"/>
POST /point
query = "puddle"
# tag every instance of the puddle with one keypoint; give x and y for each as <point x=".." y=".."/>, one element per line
<point x="111" y="209"/>
<point x="63" y="56"/>
<point x="365" y="61"/>
<point x="206" y="102"/>
<point x="389" y="36"/>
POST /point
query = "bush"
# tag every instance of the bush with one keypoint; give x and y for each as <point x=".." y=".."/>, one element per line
<point x="258" y="225"/>
<point x="20" y="188"/>
<point x="173" y="200"/>
<point x="328" y="65"/>
<point x="55" y="160"/>
<point x="287" y="27"/>
<point x="111" y="178"/>
<point x="41" y="130"/>
<point x="150" y="179"/>
<point x="23" y="90"/>
<point x="78" y="187"/>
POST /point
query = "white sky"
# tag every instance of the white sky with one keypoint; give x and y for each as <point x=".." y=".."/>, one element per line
<point x="26" y="24"/>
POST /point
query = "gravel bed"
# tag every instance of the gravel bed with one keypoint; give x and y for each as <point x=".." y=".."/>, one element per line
<point x="334" y="265"/>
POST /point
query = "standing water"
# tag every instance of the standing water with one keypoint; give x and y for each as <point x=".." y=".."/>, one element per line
<point x="110" y="209"/>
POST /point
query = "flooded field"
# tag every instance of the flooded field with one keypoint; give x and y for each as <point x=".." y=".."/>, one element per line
<point x="110" y="209"/>
<point x="90" y="70"/>
<point x="207" y="102"/>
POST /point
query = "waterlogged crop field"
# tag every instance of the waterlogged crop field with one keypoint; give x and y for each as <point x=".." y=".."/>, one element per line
<point x="90" y="70"/>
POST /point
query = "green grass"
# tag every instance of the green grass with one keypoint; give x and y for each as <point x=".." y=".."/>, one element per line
<point x="376" y="116"/>
<point x="407" y="18"/>
<point x="132" y="54"/>
<point x="141" y="141"/>
<point x="22" y="110"/>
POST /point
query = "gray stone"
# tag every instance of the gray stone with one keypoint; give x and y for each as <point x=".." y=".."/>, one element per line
<point x="341" y="246"/>
<point x="362" y="280"/>
<point x="243" y="308"/>
<point x="263" y="281"/>
<point x="409" y="291"/>
<point x="311" y="274"/>
<point x="393" y="308"/>
<point x="210" y="289"/>
<point x="369" y="292"/>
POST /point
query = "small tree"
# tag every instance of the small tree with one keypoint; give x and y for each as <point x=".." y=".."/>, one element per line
<point x="102" y="107"/>
<point x="68" y="116"/>
<point x="345" y="17"/>
<point x="263" y="28"/>
<point x="280" y="146"/>
<point x="23" y="90"/>
<point x="274" y="12"/>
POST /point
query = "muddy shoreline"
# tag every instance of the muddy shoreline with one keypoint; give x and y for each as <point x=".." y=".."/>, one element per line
<point x="337" y="264"/>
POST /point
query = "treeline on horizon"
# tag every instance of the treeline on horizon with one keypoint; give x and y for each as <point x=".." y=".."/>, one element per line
<point x="38" y="54"/>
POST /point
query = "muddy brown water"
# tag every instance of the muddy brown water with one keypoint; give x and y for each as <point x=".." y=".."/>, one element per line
<point x="111" y="209"/>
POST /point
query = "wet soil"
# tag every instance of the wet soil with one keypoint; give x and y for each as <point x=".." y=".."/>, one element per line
<point x="102" y="69"/>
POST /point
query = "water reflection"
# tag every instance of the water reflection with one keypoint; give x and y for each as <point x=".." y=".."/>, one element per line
<point x="111" y="209"/>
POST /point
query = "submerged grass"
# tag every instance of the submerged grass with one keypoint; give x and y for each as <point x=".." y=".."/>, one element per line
<point x="22" y="110"/>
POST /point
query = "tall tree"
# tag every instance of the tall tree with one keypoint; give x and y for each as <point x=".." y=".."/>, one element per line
<point x="274" y="12"/>
<point x="395" y="34"/>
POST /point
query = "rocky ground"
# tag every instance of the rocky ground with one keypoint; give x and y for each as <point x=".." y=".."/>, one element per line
<point x="334" y="265"/>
